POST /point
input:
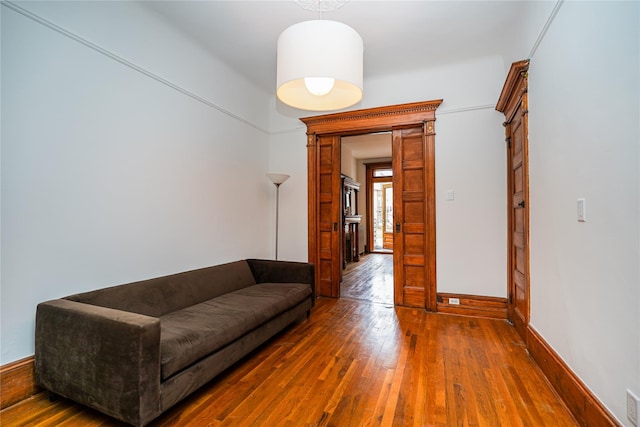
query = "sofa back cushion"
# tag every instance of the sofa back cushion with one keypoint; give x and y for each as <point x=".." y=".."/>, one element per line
<point x="163" y="295"/>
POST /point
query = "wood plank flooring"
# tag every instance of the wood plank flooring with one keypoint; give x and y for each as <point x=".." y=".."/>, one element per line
<point x="370" y="279"/>
<point x="356" y="363"/>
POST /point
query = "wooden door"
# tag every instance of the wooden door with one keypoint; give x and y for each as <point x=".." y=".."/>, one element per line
<point x="412" y="259"/>
<point x="387" y="216"/>
<point x="514" y="104"/>
<point x="323" y="167"/>
<point x="518" y="259"/>
<point x="328" y="262"/>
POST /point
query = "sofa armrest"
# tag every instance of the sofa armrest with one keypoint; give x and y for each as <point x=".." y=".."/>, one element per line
<point x="104" y="358"/>
<point x="271" y="271"/>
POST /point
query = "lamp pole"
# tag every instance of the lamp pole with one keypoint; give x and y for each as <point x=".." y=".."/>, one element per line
<point x="277" y="207"/>
<point x="277" y="179"/>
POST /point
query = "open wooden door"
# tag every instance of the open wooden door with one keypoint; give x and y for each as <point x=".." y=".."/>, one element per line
<point x="513" y="103"/>
<point x="327" y="240"/>
<point x="414" y="125"/>
<point x="413" y="181"/>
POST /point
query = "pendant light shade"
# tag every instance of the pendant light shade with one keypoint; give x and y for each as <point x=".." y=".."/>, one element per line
<point x="319" y="66"/>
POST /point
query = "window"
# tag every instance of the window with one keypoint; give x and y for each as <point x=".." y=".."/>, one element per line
<point x="382" y="173"/>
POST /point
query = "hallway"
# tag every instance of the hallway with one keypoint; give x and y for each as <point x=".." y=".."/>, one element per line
<point x="370" y="279"/>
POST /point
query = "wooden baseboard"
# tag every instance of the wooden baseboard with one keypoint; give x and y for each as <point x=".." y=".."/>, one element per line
<point x="585" y="407"/>
<point x="17" y="381"/>
<point x="473" y="305"/>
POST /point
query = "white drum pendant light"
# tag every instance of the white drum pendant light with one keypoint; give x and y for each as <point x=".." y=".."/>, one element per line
<point x="319" y="66"/>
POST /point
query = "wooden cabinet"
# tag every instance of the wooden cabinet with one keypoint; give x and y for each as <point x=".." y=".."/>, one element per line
<point x="350" y="220"/>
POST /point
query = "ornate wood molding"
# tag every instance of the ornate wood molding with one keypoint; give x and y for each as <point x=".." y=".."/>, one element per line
<point x="510" y="96"/>
<point x="373" y="119"/>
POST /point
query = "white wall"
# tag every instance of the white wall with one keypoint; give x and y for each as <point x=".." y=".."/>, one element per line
<point x="288" y="154"/>
<point x="471" y="231"/>
<point x="584" y="143"/>
<point x="110" y="175"/>
<point x="348" y="163"/>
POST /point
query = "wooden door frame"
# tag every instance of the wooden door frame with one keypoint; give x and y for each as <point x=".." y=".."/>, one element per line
<point x="371" y="120"/>
<point x="514" y="96"/>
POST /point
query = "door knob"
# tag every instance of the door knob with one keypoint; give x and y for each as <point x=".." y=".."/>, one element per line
<point x="397" y="227"/>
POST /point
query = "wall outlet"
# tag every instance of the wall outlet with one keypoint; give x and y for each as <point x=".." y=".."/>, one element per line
<point x="454" y="301"/>
<point x="632" y="407"/>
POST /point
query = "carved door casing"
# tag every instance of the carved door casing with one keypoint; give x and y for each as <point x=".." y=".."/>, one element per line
<point x="513" y="103"/>
<point x="324" y="133"/>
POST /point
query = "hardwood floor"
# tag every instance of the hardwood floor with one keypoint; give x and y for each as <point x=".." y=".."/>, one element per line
<point x="370" y="279"/>
<point x="356" y="363"/>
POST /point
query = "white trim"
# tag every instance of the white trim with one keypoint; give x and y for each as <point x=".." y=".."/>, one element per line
<point x="465" y="109"/>
<point x="127" y="63"/>
<point x="290" y="130"/>
<point x="547" y="24"/>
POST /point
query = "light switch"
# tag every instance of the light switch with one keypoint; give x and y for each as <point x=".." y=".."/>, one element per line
<point x="450" y="195"/>
<point x="582" y="210"/>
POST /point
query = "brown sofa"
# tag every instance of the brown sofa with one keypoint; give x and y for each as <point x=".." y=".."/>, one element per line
<point x="133" y="351"/>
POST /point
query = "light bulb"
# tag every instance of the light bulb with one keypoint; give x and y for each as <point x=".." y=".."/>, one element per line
<point x="319" y="85"/>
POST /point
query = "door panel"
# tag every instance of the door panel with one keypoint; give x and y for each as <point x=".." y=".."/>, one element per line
<point x="519" y="292"/>
<point x="328" y="239"/>
<point x="410" y="216"/>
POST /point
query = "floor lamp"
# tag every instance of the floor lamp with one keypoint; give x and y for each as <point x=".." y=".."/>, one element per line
<point x="277" y="179"/>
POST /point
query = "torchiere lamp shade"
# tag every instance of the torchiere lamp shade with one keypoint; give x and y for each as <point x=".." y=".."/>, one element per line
<point x="278" y="178"/>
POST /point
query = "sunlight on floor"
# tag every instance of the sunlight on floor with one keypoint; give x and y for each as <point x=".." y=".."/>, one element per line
<point x="370" y="279"/>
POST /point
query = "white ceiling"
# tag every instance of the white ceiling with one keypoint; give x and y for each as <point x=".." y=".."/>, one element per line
<point x="398" y="35"/>
<point x="369" y="146"/>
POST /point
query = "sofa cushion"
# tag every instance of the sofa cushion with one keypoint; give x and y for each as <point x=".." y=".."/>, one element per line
<point x="193" y="333"/>
<point x="162" y="295"/>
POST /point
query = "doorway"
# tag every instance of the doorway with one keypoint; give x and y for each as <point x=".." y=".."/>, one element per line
<point x="380" y="207"/>
<point x="413" y="141"/>
<point x="367" y="159"/>
<point x="383" y="216"/>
